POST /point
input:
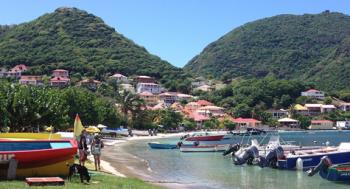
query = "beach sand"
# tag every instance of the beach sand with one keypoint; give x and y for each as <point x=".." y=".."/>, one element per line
<point x="117" y="161"/>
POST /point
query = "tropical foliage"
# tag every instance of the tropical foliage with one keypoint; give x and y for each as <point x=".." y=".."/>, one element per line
<point x="82" y="43"/>
<point x="309" y="47"/>
<point x="28" y="108"/>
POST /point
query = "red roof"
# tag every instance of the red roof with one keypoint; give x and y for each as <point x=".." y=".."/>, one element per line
<point x="60" y="79"/>
<point x="20" y="67"/>
<point x="321" y="121"/>
<point x="198" y="117"/>
<point x="312" y="90"/>
<point x="246" y="120"/>
<point x="204" y="103"/>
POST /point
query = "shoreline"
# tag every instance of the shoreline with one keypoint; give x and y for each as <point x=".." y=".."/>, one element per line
<point x="116" y="160"/>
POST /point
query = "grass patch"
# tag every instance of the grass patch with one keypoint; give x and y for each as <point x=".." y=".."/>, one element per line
<point x="98" y="181"/>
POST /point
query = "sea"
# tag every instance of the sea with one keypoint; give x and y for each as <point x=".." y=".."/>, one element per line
<point x="213" y="171"/>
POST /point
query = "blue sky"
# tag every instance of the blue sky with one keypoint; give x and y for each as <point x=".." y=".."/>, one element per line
<point x="175" y="30"/>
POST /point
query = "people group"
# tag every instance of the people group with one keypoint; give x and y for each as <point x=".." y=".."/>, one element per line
<point x="96" y="145"/>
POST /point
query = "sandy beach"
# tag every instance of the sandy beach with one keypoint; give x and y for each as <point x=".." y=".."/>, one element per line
<point x="116" y="160"/>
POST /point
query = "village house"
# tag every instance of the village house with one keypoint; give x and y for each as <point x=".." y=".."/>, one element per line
<point x="120" y="78"/>
<point x="149" y="87"/>
<point x="313" y="109"/>
<point x="277" y="114"/>
<point x="16" y="72"/>
<point x="199" y="119"/>
<point x="31" y="80"/>
<point x="191" y="107"/>
<point x="59" y="81"/>
<point x="325" y="108"/>
<point x="344" y="106"/>
<point x="60" y="73"/>
<point x="204" y="103"/>
<point x="313" y="93"/>
<point x="246" y="122"/>
<point x="90" y="84"/>
<point x="211" y="111"/>
<point x="149" y="98"/>
<point x="321" y="125"/>
<point x="288" y="122"/>
<point x="177" y="107"/>
<point x="144" y="79"/>
<point x="60" y="78"/>
<point x="301" y="110"/>
<point x="343" y="125"/>
<point x="171" y="97"/>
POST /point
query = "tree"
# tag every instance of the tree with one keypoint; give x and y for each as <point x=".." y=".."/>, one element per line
<point x="328" y="100"/>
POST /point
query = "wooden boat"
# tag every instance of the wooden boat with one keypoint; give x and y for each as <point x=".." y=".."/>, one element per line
<point x="157" y="145"/>
<point x="310" y="158"/>
<point x="212" y="148"/>
<point x="337" y="173"/>
<point x="37" y="157"/>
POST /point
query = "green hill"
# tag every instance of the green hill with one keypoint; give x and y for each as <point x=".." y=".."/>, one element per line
<point x="73" y="39"/>
<point x="309" y="47"/>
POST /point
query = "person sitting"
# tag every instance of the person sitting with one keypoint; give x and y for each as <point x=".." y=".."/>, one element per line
<point x="96" y="147"/>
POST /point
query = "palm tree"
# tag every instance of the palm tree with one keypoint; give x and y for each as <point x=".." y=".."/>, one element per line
<point x="129" y="103"/>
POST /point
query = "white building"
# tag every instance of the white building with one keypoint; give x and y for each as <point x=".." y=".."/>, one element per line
<point x="120" y="78"/>
<point x="277" y="114"/>
<point x="313" y="93"/>
<point x="321" y="125"/>
<point x="2" y="72"/>
<point x="149" y="87"/>
<point x="344" y="107"/>
<point x="343" y="124"/>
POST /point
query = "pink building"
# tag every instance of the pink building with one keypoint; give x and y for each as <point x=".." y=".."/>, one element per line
<point x="59" y="81"/>
<point x="60" y="73"/>
<point x="31" y="80"/>
<point x="16" y="72"/>
<point x="247" y="122"/>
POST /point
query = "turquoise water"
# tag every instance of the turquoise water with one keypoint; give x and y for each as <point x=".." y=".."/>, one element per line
<point x="212" y="170"/>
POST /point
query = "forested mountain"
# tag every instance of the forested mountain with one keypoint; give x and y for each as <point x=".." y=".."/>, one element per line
<point x="73" y="39"/>
<point x="309" y="47"/>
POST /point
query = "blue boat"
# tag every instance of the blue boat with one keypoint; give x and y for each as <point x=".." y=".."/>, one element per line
<point x="305" y="159"/>
<point x="157" y="145"/>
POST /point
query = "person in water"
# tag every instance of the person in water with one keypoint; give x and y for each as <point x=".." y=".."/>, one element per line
<point x="83" y="149"/>
<point x="96" y="147"/>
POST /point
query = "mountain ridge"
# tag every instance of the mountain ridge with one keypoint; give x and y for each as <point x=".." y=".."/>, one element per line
<point x="286" y="46"/>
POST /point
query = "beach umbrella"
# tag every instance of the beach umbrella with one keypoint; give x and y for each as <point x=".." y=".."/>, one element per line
<point x="92" y="129"/>
<point x="78" y="126"/>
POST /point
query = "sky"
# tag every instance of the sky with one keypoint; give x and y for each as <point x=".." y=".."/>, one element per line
<point x="175" y="30"/>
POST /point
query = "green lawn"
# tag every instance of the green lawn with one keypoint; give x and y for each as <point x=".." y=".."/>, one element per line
<point x="98" y="181"/>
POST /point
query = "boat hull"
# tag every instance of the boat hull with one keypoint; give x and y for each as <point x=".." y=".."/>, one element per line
<point x="337" y="173"/>
<point x="205" y="138"/>
<point x="313" y="160"/>
<point x="35" y="158"/>
<point x="155" y="145"/>
<point x="216" y="148"/>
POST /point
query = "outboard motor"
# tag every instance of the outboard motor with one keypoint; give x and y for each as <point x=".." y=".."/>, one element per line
<point x="270" y="160"/>
<point x="322" y="166"/>
<point x="247" y="156"/>
<point x="232" y="149"/>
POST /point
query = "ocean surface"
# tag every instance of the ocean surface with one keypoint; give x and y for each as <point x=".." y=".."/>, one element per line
<point x="212" y="170"/>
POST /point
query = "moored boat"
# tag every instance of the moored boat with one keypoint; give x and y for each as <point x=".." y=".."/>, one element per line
<point x="211" y="148"/>
<point x="157" y="145"/>
<point x="305" y="159"/>
<point x="205" y="138"/>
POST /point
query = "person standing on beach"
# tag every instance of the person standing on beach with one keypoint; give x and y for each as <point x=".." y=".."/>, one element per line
<point x="96" y="147"/>
<point x="83" y="149"/>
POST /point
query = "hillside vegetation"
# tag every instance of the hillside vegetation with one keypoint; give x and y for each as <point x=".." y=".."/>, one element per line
<point x="73" y="39"/>
<point x="308" y="47"/>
